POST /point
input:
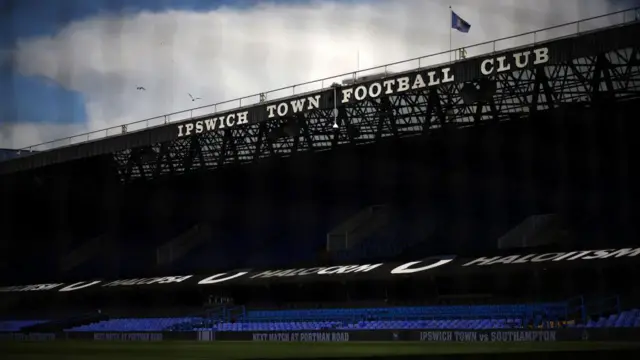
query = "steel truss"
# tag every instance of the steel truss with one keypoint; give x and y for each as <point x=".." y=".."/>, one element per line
<point x="613" y="75"/>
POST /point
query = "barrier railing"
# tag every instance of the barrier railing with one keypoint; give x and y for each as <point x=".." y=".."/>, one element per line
<point x="482" y="49"/>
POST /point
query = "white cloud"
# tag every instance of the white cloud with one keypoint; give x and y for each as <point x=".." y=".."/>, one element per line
<point x="228" y="53"/>
<point x="19" y="135"/>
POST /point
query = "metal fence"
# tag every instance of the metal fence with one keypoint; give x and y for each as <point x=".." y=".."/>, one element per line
<point x="487" y="48"/>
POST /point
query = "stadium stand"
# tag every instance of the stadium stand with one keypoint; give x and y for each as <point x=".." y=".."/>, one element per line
<point x="629" y="318"/>
<point x="445" y="191"/>
<point x="395" y="318"/>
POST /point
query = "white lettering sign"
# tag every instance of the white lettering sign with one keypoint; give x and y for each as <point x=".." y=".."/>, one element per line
<point x="127" y="336"/>
<point x="409" y="269"/>
<point x="345" y="269"/>
<point x="293" y="107"/>
<point x="396" y="86"/>
<point x="373" y="90"/>
<point x="558" y="256"/>
<point x="37" y="287"/>
<point x="488" y="336"/>
<point x="149" y="281"/>
<point x="214" y="123"/>
<point x="412" y="267"/>
<point x="302" y="337"/>
<point x="218" y="278"/>
<point x="520" y="60"/>
<point x="79" y="285"/>
<point x="28" y="336"/>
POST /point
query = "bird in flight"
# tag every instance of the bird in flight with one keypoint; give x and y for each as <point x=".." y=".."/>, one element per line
<point x="141" y="88"/>
<point x="194" y="99"/>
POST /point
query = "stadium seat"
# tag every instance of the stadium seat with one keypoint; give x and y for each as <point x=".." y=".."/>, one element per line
<point x="426" y="317"/>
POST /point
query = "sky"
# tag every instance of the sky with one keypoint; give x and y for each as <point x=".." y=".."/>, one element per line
<point x="72" y="66"/>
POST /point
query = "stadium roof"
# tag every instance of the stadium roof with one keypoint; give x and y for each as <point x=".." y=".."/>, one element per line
<point x="301" y="117"/>
<point x="486" y="48"/>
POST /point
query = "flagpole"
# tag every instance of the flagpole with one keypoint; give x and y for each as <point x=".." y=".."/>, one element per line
<point x="450" y="33"/>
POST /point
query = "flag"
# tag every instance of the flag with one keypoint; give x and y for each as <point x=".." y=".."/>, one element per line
<point x="459" y="24"/>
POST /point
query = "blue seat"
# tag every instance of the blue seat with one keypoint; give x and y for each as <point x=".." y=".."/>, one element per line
<point x="426" y="317"/>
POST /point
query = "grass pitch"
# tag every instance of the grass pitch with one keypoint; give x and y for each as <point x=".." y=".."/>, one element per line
<point x="85" y="350"/>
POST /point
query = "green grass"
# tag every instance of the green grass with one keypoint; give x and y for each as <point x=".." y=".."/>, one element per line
<point x="85" y="350"/>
